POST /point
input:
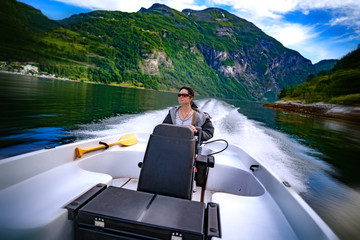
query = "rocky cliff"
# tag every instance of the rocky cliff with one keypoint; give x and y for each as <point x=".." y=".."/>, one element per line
<point x="254" y="58"/>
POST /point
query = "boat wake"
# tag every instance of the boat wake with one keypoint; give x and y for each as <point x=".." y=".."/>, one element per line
<point x="284" y="156"/>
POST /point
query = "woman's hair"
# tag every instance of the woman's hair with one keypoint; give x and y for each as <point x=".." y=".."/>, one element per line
<point x="189" y="89"/>
<point x="191" y="93"/>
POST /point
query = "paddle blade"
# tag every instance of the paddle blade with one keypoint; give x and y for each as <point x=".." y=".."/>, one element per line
<point x="128" y="139"/>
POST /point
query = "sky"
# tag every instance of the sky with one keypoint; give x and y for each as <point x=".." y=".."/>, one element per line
<point x="317" y="29"/>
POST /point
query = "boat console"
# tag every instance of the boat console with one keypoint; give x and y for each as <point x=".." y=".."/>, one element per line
<point x="161" y="207"/>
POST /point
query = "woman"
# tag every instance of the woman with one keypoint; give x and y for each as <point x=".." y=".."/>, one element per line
<point x="188" y="114"/>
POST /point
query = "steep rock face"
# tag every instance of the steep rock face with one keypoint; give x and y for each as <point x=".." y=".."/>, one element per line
<point x="288" y="64"/>
<point x="151" y="62"/>
<point x="251" y="56"/>
<point x="217" y="60"/>
<point x="263" y="74"/>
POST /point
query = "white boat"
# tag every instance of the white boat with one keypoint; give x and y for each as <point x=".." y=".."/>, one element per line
<point x="37" y="187"/>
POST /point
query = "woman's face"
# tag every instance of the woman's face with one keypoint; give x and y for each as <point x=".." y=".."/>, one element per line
<point x="184" y="97"/>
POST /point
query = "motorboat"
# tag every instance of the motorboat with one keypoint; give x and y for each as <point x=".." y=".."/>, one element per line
<point x="163" y="185"/>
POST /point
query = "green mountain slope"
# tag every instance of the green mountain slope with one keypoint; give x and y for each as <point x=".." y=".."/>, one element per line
<point x="212" y="50"/>
<point x="20" y="26"/>
<point x="325" y="65"/>
<point x="341" y="85"/>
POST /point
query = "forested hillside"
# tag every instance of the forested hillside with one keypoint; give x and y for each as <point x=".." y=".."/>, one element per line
<point x="20" y="28"/>
<point x="217" y="53"/>
<point x="341" y="85"/>
<point x="325" y="65"/>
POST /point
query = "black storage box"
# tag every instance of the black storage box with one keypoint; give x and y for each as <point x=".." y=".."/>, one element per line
<point x="118" y="213"/>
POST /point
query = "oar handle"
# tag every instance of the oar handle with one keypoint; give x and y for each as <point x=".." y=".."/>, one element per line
<point x="79" y="152"/>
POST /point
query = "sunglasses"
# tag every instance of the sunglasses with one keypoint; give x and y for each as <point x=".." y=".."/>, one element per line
<point x="183" y="95"/>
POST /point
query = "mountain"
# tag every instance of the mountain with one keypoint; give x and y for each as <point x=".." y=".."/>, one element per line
<point x="325" y="65"/>
<point x="341" y="85"/>
<point x="214" y="51"/>
<point x="20" y="25"/>
<point x="237" y="48"/>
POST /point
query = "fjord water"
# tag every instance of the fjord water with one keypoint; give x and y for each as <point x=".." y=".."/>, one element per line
<point x="318" y="157"/>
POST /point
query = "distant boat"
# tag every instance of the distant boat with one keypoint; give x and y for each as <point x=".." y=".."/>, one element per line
<point x="142" y="187"/>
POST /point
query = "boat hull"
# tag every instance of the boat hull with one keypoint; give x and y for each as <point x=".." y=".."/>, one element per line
<point x="254" y="204"/>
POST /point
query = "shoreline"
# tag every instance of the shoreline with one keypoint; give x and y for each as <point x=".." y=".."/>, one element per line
<point x="37" y="75"/>
<point x="323" y="110"/>
<point x="71" y="80"/>
<point x="126" y="85"/>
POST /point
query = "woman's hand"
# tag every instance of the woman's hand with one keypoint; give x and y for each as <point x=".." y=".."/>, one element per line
<point x="193" y="128"/>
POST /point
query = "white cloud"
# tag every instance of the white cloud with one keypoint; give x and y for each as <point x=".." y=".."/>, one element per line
<point x="125" y="6"/>
<point x="327" y="4"/>
<point x="133" y="5"/>
<point x="320" y="50"/>
<point x="269" y="16"/>
<point x="259" y="7"/>
<point x="289" y="34"/>
<point x="345" y="12"/>
<point x="274" y="7"/>
<point x="181" y="5"/>
<point x="349" y="17"/>
<point x="298" y="37"/>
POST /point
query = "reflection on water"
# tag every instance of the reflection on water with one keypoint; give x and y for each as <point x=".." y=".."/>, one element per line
<point x="329" y="193"/>
<point x="338" y="142"/>
<point x="336" y="203"/>
<point x="40" y="112"/>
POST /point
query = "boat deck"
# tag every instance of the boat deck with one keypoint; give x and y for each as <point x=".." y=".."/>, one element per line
<point x="131" y="183"/>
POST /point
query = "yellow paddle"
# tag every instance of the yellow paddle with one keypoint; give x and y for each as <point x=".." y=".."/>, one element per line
<point x="126" y="140"/>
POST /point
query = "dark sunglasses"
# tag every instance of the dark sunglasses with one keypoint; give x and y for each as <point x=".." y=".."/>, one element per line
<point x="183" y="95"/>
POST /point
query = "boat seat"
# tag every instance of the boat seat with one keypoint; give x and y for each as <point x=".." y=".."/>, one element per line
<point x="168" y="165"/>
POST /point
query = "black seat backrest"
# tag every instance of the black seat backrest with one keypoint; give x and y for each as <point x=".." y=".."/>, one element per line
<point x="168" y="164"/>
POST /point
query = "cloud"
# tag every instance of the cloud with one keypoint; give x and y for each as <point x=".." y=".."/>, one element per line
<point x="181" y="5"/>
<point x="344" y="12"/>
<point x="307" y="40"/>
<point x="296" y="36"/>
<point x="327" y="4"/>
<point x="256" y="8"/>
<point x="289" y="33"/>
<point x="132" y="6"/>
<point x="115" y="5"/>
<point x="316" y="42"/>
<point x="349" y="17"/>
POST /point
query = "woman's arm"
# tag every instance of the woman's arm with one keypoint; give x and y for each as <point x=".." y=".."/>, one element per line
<point x="207" y="130"/>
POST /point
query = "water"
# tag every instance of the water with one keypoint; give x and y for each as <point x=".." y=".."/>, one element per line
<point x="318" y="157"/>
<point x="40" y="112"/>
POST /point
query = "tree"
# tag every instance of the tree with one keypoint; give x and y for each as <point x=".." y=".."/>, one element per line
<point x="310" y="77"/>
<point x="282" y="93"/>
